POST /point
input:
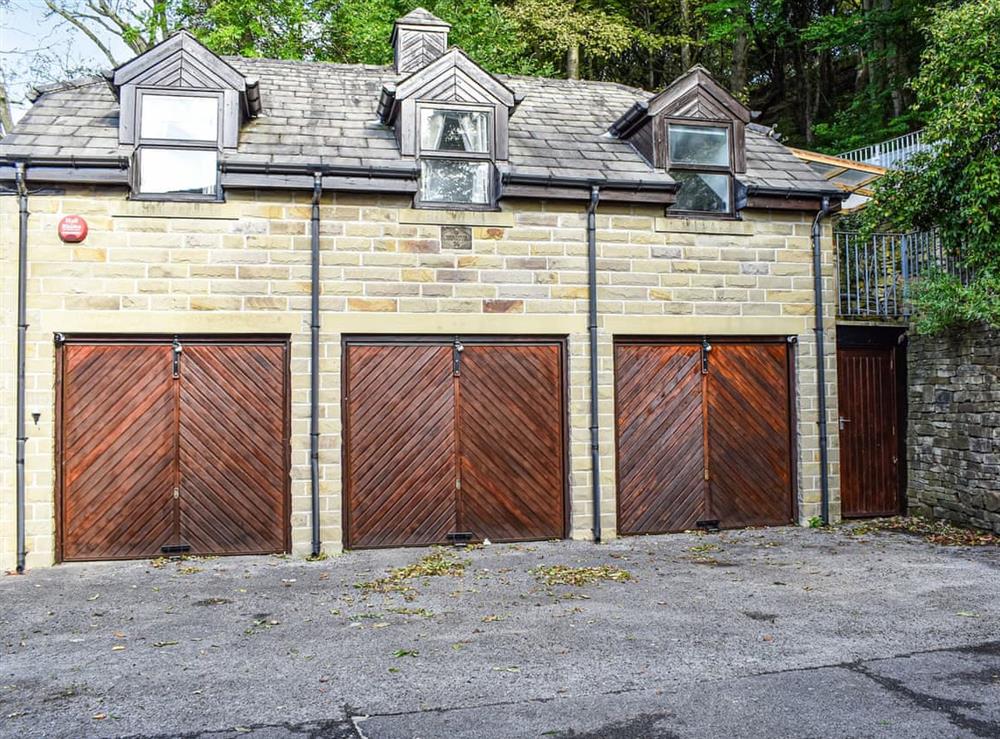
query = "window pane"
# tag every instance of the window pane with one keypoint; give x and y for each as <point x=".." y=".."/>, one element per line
<point x="699" y="145"/>
<point x="702" y="191"/>
<point x="177" y="171"/>
<point x="180" y="117"/>
<point x="455" y="181"/>
<point x="454" y="130"/>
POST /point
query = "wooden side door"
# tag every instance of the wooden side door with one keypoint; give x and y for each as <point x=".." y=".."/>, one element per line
<point x="660" y="437"/>
<point x="400" y="448"/>
<point x="510" y="432"/>
<point x="869" y="463"/>
<point x="117" y="450"/>
<point x="232" y="445"/>
<point x="749" y="436"/>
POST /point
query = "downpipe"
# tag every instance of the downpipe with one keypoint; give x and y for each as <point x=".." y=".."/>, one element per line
<point x="824" y="442"/>
<point x="595" y="447"/>
<point x="314" y="287"/>
<point x="22" y="333"/>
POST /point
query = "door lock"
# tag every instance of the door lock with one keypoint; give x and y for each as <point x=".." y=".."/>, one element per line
<point x="177" y="493"/>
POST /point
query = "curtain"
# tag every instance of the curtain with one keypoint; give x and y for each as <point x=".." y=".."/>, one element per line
<point x="432" y="129"/>
<point x="473" y="127"/>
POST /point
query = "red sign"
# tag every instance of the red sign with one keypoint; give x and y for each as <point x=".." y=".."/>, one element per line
<point x="72" y="229"/>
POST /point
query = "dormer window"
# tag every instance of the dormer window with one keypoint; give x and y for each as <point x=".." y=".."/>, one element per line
<point x="177" y="148"/>
<point x="695" y="130"/>
<point x="701" y="160"/>
<point x="180" y="107"/>
<point x="456" y="156"/>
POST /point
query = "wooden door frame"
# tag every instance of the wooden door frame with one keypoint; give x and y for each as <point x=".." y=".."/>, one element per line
<point x="348" y="340"/>
<point x="790" y="341"/>
<point x="897" y="339"/>
<point x="62" y="340"/>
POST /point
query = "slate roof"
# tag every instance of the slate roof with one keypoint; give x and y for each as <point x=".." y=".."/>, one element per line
<point x="324" y="113"/>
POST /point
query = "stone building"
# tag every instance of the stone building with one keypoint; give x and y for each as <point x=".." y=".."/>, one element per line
<point x="291" y="306"/>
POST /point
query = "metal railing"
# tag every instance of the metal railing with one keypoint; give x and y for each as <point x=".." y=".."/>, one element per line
<point x="875" y="274"/>
<point x="888" y="154"/>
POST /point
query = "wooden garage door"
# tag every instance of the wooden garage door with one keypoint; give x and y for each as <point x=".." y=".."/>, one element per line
<point x="703" y="435"/>
<point x="463" y="437"/>
<point x="172" y="448"/>
<point x="869" y="446"/>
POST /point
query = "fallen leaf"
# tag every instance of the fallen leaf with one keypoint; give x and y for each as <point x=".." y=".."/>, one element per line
<point x="100" y="716"/>
<point x="118" y="648"/>
<point x="95" y="597"/>
<point x="967" y="614"/>
<point x="164" y="643"/>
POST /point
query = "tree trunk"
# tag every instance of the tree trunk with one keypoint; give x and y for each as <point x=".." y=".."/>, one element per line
<point x="573" y="62"/>
<point x="741" y="48"/>
<point x="685" y="30"/>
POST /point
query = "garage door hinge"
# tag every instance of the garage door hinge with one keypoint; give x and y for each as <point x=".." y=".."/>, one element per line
<point x="456" y="358"/>
<point x="177" y="349"/>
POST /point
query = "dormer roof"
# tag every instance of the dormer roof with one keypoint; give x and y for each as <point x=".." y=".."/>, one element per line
<point x="696" y="94"/>
<point x="181" y="61"/>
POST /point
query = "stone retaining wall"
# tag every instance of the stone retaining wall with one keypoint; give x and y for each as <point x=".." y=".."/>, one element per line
<point x="954" y="427"/>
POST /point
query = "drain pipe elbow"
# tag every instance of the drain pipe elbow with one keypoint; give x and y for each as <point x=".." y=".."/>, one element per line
<point x="314" y="325"/>
<point x="22" y="333"/>
<point x="595" y="448"/>
<point x="824" y="452"/>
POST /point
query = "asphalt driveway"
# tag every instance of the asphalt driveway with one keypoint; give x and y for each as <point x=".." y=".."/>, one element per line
<point x="767" y="632"/>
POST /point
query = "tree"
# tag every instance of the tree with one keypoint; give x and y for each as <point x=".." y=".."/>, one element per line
<point x="954" y="186"/>
<point x="140" y="24"/>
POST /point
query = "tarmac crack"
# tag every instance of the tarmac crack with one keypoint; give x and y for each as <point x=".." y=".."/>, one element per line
<point x="939" y="705"/>
<point x="948" y="707"/>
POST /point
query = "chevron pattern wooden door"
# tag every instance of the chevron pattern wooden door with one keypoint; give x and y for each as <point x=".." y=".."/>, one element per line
<point x="400" y="449"/>
<point x="511" y="442"/>
<point x="118" y="440"/>
<point x="749" y="439"/>
<point x="661" y="438"/>
<point x="703" y="434"/>
<point x="456" y="437"/>
<point x="231" y="447"/>
<point x="173" y="449"/>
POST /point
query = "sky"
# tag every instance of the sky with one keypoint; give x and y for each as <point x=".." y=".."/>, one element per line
<point x="26" y="31"/>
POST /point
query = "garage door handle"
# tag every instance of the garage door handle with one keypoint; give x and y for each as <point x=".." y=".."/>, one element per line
<point x="843" y="421"/>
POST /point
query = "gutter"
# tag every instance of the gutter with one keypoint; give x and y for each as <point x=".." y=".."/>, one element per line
<point x="824" y="453"/>
<point x="314" y="322"/>
<point x="591" y="182"/>
<point x="22" y="332"/>
<point x="595" y="444"/>
<point x="328" y="170"/>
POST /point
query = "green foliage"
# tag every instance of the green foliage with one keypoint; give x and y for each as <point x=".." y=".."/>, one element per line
<point x="555" y="26"/>
<point x="279" y="29"/>
<point x="954" y="187"/>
